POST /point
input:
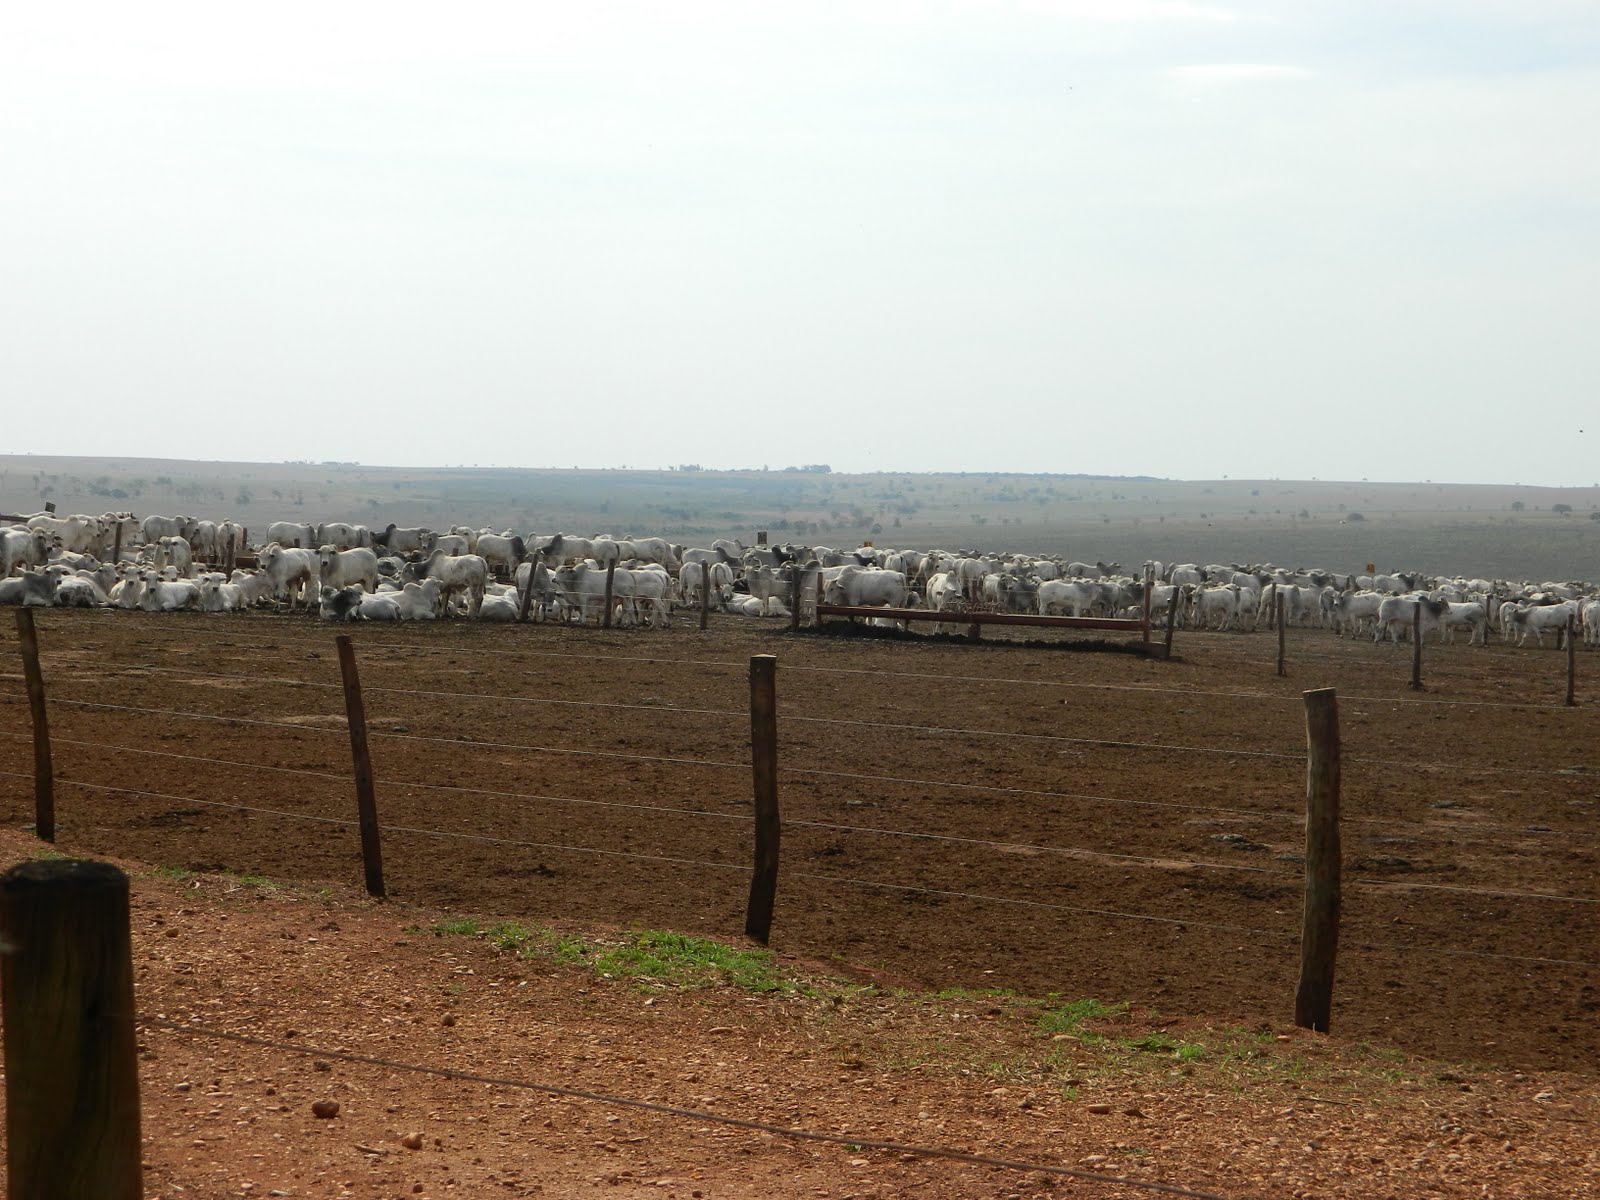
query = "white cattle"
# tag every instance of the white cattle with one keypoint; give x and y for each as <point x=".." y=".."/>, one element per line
<point x="467" y="574"/>
<point x="341" y="568"/>
<point x="79" y="533"/>
<point x="1540" y="619"/>
<point x="582" y="588"/>
<point x="340" y="604"/>
<point x="164" y="595"/>
<point x="256" y="586"/>
<point x="1398" y="614"/>
<point x="422" y="601"/>
<point x="22" y="548"/>
<point x="30" y="589"/>
<point x="403" y="541"/>
<point x="202" y="539"/>
<point x="652" y="594"/>
<point x="1067" y="597"/>
<point x="1355" y="612"/>
<point x="1220" y="604"/>
<point x="649" y="550"/>
<point x="291" y="535"/>
<point x="502" y="551"/>
<point x="153" y="527"/>
<point x="869" y="587"/>
<point x="293" y="571"/>
<point x="216" y="595"/>
<point x="341" y="535"/>
<point x="503" y="604"/>
<point x="1468" y="615"/>
<point x="176" y="553"/>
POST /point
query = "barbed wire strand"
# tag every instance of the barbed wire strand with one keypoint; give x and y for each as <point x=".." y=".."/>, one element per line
<point x="1277" y="755"/>
<point x="1081" y="852"/>
<point x="652" y="660"/>
<point x="1249" y="814"/>
<point x="830" y="879"/>
<point x="569" y="1093"/>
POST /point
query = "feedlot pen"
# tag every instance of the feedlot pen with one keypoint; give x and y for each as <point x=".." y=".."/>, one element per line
<point x="990" y="816"/>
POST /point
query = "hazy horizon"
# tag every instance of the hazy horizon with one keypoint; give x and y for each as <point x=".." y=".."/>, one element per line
<point x="1170" y="238"/>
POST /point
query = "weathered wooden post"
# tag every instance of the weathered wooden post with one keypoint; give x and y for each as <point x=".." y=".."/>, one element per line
<point x="816" y="616"/>
<point x="1277" y="603"/>
<point x="1416" y="647"/>
<point x="1572" y="659"/>
<point x="1319" y="931"/>
<point x="366" y="803"/>
<point x="44" y="776"/>
<point x="72" y="1073"/>
<point x="527" y="592"/>
<point x="794" y="597"/>
<point x="1172" y="616"/>
<point x="611" y="576"/>
<point x="764" y="764"/>
<point x="1149" y="590"/>
<point x="116" y="544"/>
<point x="705" y="595"/>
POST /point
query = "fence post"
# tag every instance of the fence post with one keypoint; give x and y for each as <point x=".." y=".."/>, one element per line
<point x="1572" y="660"/>
<point x="44" y="776"/>
<point x="116" y="545"/>
<point x="1149" y="589"/>
<point x="1173" y="601"/>
<point x="611" y="575"/>
<point x="817" y="614"/>
<point x="527" y="592"/>
<point x="1277" y="603"/>
<point x="72" y="1073"/>
<point x="366" y="803"/>
<point x="1416" y="647"/>
<point x="764" y="763"/>
<point x="794" y="597"/>
<point x="1319" y="931"/>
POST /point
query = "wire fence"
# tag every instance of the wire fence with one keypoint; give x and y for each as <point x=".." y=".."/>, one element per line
<point x="817" y="776"/>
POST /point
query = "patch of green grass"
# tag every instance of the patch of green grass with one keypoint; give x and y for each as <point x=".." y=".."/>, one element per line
<point x="459" y="927"/>
<point x="179" y="874"/>
<point x="678" y="960"/>
<point x="1069" y="1018"/>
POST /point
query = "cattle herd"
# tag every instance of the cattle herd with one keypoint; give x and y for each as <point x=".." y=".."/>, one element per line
<point x="349" y="572"/>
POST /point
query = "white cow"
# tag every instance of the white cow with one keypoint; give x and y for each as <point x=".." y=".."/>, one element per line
<point x="341" y="568"/>
<point x="464" y="573"/>
<point x="291" y="535"/>
<point x="22" y="548"/>
<point x="175" y="552"/>
<point x="293" y="571"/>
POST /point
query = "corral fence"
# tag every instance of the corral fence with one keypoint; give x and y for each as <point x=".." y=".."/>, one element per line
<point x="1323" y="883"/>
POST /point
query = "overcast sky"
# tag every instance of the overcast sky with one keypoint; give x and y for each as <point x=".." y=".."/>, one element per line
<point x="1344" y="240"/>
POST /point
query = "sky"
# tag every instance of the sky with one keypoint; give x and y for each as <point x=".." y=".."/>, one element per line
<point x="1159" y="237"/>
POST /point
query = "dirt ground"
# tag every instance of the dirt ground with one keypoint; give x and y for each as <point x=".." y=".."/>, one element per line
<point x="1121" y="829"/>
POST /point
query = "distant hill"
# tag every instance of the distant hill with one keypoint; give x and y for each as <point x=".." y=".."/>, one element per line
<point x="1502" y="531"/>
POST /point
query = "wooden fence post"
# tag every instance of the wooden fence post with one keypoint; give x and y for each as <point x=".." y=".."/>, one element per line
<point x="72" y="1072"/>
<point x="1172" y="615"/>
<point x="764" y="763"/>
<point x="816" y="616"/>
<point x="1319" y="931"/>
<point x="44" y="776"/>
<point x="116" y="545"/>
<point x="1416" y="647"/>
<point x="611" y="576"/>
<point x="527" y="592"/>
<point x="1572" y="660"/>
<point x="1277" y="603"/>
<point x="794" y="597"/>
<point x="366" y="803"/>
<point x="1149" y="590"/>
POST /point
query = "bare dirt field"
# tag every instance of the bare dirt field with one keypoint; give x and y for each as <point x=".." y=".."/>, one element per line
<point x="1025" y="818"/>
